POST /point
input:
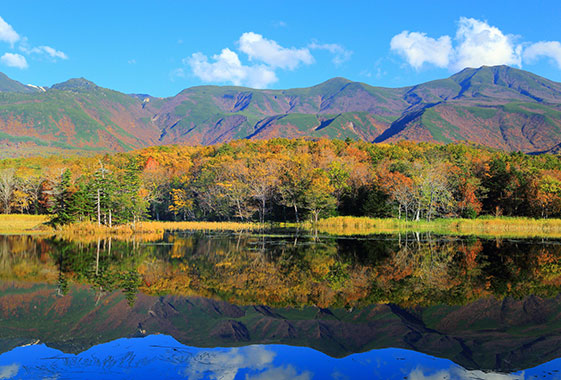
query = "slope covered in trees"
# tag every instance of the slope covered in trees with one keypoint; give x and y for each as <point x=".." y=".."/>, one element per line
<point x="284" y="180"/>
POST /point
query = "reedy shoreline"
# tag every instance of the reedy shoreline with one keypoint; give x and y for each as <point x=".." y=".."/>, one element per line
<point x="502" y="227"/>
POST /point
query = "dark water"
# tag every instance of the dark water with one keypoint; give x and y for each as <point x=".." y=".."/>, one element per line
<point x="280" y="305"/>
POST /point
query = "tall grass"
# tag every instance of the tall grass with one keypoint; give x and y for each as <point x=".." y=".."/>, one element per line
<point x="342" y="225"/>
<point x="15" y="224"/>
<point x="485" y="226"/>
<point x="146" y="231"/>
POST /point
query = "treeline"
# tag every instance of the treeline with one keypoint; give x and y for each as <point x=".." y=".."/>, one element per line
<point x="284" y="180"/>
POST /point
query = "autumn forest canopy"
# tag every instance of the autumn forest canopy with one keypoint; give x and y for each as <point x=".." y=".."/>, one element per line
<point x="284" y="180"/>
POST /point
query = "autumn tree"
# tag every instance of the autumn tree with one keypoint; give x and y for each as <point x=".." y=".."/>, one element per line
<point x="294" y="181"/>
<point x="318" y="195"/>
<point x="263" y="180"/>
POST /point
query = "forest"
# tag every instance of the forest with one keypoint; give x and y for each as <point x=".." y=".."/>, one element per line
<point x="281" y="180"/>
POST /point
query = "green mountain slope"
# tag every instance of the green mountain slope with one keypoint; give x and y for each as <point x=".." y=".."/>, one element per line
<point x="10" y="85"/>
<point x="75" y="115"/>
<point x="499" y="106"/>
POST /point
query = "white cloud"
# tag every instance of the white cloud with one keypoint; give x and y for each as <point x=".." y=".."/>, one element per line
<point x="418" y="49"/>
<point x="14" y="60"/>
<point x="550" y="49"/>
<point x="483" y="44"/>
<point x="227" y="67"/>
<point x="281" y="373"/>
<point x="476" y="44"/>
<point x="270" y="52"/>
<point x="462" y="374"/>
<point x="53" y="53"/>
<point x="340" y="54"/>
<point x="7" y="33"/>
<point x="418" y="374"/>
<point x="48" y="51"/>
<point x="265" y="58"/>
<point x="9" y="371"/>
<point x="225" y="365"/>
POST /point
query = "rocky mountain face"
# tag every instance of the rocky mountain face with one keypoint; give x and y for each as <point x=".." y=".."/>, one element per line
<point x="499" y="335"/>
<point x="499" y="106"/>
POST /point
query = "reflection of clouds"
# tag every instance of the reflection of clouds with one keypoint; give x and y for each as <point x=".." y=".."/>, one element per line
<point x="462" y="374"/>
<point x="417" y="374"/>
<point x="465" y="374"/>
<point x="336" y="375"/>
<point x="9" y="371"/>
<point x="225" y="365"/>
<point x="281" y="373"/>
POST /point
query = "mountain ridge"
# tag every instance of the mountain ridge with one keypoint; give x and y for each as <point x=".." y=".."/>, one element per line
<point x="496" y="106"/>
<point x="490" y="334"/>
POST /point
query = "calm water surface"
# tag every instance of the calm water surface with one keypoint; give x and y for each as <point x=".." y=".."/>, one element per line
<point x="280" y="305"/>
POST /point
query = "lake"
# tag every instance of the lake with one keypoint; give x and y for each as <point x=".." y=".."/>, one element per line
<point x="280" y="304"/>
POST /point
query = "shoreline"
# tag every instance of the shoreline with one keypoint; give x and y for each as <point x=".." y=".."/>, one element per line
<point x="18" y="224"/>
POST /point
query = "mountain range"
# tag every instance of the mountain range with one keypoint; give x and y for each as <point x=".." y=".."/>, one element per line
<point x="489" y="334"/>
<point x="499" y="106"/>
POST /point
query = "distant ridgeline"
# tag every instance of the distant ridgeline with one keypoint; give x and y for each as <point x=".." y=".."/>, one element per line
<point x="500" y="107"/>
<point x="284" y="180"/>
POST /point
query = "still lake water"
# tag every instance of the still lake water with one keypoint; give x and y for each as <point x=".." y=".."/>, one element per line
<point x="280" y="305"/>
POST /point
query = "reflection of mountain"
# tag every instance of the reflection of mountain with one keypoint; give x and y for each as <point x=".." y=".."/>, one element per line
<point x="488" y="334"/>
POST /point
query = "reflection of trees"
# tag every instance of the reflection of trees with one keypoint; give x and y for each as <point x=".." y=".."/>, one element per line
<point x="283" y="270"/>
<point x="23" y="257"/>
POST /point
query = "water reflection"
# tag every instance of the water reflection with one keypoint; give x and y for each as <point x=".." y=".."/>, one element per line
<point x="485" y="304"/>
<point x="142" y="358"/>
<point x="294" y="270"/>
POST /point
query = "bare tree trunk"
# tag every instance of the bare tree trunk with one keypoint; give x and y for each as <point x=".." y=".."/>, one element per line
<point x="406" y="212"/>
<point x="7" y="187"/>
<point x="98" y="208"/>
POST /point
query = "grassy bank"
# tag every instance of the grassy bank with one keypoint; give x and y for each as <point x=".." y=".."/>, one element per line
<point x="16" y="224"/>
<point x="143" y="231"/>
<point x="343" y="225"/>
<point x="494" y="227"/>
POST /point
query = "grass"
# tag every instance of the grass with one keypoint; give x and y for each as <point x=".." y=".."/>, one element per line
<point x="17" y="224"/>
<point x="146" y="231"/>
<point x="485" y="226"/>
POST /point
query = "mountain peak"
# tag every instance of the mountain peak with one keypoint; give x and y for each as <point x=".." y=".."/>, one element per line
<point x="75" y="84"/>
<point x="331" y="85"/>
<point x="510" y="81"/>
<point x="9" y="85"/>
<point x="337" y="81"/>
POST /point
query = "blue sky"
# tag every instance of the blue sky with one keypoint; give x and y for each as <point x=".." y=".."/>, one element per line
<point x="161" y="47"/>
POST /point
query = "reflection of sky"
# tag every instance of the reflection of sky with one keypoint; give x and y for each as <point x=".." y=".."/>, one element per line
<point x="162" y="357"/>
